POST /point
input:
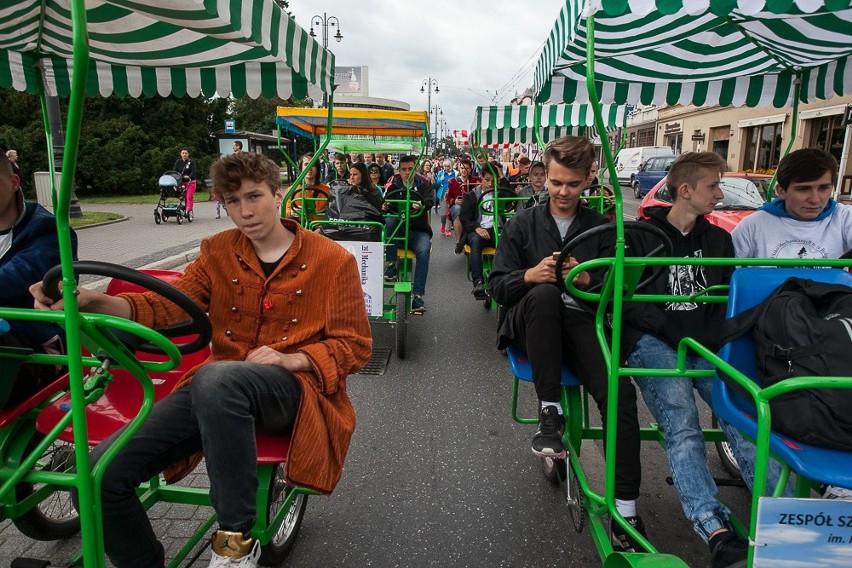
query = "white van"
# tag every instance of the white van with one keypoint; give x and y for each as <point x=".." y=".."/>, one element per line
<point x="629" y="160"/>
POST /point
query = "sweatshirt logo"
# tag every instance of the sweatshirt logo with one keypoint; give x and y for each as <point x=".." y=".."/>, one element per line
<point x="686" y="281"/>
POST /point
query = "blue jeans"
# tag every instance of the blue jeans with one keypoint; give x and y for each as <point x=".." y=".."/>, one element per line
<point x="455" y="210"/>
<point x="672" y="402"/>
<point x="477" y="243"/>
<point x="217" y="413"/>
<point x="418" y="241"/>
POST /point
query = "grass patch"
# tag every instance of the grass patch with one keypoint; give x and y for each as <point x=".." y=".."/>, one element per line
<point x="93" y="217"/>
<point x="150" y="199"/>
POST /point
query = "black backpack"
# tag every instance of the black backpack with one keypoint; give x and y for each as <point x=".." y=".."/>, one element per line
<point x="804" y="328"/>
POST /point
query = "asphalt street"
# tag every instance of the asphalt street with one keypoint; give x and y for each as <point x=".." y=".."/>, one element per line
<point x="438" y="474"/>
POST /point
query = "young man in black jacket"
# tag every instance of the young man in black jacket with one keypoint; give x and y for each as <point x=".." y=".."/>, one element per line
<point x="652" y="333"/>
<point x="552" y="327"/>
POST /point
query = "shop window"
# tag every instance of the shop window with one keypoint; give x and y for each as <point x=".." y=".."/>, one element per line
<point x="827" y="134"/>
<point x="763" y="148"/>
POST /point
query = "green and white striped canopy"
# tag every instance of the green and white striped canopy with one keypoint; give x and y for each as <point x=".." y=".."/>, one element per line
<point x="163" y="47"/>
<point x="495" y="126"/>
<point x="704" y="52"/>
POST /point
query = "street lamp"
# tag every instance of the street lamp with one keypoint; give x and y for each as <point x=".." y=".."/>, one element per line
<point x="324" y="22"/>
<point x="437" y="114"/>
<point x="426" y="87"/>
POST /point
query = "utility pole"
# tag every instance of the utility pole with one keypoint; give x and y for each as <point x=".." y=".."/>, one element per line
<point x="426" y="87"/>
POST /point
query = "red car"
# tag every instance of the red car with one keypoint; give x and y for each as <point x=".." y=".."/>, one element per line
<point x="744" y="194"/>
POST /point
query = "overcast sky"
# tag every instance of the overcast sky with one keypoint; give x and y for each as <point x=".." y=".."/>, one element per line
<point x="473" y="48"/>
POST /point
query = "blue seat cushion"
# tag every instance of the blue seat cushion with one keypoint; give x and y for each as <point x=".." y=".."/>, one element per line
<point x="522" y="370"/>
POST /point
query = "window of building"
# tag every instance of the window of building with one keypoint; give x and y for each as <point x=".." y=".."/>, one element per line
<point x="827" y="134"/>
<point x="646" y="137"/>
<point x="763" y="147"/>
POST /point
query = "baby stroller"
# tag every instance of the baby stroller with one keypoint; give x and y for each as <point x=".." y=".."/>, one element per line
<point x="171" y="187"/>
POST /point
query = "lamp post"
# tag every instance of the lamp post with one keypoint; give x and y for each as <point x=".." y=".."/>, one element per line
<point x="437" y="115"/>
<point x="324" y="22"/>
<point x="426" y="87"/>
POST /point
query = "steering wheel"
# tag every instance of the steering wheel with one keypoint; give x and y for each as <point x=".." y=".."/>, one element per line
<point x="198" y="323"/>
<point x="664" y="248"/>
<point x="315" y="193"/>
<point x="502" y="206"/>
<point x="846" y="255"/>
<point x="400" y="193"/>
<point x="608" y="196"/>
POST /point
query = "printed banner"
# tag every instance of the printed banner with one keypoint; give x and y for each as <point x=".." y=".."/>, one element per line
<point x="370" y="257"/>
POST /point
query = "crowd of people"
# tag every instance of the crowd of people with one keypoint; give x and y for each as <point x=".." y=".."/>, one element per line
<point x="304" y="371"/>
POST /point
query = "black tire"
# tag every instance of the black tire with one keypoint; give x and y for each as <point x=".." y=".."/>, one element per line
<point x="55" y="518"/>
<point x="636" y="190"/>
<point x="179" y="218"/>
<point x="726" y="454"/>
<point x="401" y="324"/>
<point x="554" y="470"/>
<point x="157" y="218"/>
<point x="279" y="546"/>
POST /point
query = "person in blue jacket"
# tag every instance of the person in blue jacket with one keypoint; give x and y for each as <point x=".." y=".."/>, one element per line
<point x="28" y="248"/>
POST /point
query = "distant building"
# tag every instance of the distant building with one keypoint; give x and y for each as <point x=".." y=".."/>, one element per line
<point x="353" y="91"/>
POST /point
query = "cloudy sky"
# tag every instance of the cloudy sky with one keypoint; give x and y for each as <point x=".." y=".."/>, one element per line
<point x="473" y="48"/>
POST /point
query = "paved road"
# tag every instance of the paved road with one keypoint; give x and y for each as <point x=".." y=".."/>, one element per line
<point x="438" y="474"/>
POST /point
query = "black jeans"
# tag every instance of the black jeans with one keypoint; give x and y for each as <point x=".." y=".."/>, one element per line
<point x="216" y="413"/>
<point x="551" y="334"/>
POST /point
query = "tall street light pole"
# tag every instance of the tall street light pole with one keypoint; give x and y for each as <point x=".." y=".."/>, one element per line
<point x="426" y="87"/>
<point x="437" y="114"/>
<point x="324" y="22"/>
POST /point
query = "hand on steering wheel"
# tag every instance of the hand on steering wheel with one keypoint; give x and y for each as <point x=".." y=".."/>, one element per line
<point x="309" y="192"/>
<point x="399" y="193"/>
<point x="606" y="236"/>
<point x="198" y="323"/>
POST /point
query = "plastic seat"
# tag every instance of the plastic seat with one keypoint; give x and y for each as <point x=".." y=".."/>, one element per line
<point x="487" y="251"/>
<point x="522" y="369"/>
<point x="749" y="286"/>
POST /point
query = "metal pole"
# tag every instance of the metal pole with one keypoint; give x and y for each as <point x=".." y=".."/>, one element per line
<point x="844" y="158"/>
<point x="54" y="116"/>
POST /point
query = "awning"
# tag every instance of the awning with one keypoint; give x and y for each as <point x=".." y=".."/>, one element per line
<point x="702" y="52"/>
<point x="313" y="122"/>
<point x="163" y="47"/>
<point x="496" y="126"/>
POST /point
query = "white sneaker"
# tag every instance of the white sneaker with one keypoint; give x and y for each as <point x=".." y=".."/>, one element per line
<point x="835" y="492"/>
<point x="228" y="560"/>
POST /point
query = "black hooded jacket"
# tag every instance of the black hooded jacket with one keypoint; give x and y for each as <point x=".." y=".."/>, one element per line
<point x="672" y="322"/>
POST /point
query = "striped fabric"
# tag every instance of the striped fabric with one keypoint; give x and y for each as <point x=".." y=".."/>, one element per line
<point x="501" y="126"/>
<point x="163" y="47"/>
<point x="703" y="52"/>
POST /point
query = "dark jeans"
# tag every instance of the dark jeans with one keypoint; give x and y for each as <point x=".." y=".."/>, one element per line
<point x="552" y="334"/>
<point x="477" y="243"/>
<point x="418" y="241"/>
<point x="216" y="413"/>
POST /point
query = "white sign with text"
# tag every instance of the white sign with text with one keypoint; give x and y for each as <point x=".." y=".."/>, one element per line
<point x="370" y="257"/>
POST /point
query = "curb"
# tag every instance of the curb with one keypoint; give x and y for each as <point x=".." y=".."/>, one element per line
<point x="167" y="263"/>
<point x="101" y="224"/>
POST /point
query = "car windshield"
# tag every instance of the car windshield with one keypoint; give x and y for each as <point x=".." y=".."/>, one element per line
<point x="743" y="193"/>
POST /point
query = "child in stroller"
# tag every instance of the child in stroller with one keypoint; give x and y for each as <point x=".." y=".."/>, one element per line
<point x="172" y="187"/>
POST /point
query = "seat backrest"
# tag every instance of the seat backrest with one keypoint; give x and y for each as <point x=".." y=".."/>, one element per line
<point x="116" y="286"/>
<point x="749" y="287"/>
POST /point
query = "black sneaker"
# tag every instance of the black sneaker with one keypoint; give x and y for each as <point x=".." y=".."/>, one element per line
<point x="728" y="550"/>
<point x="479" y="290"/>
<point x="390" y="272"/>
<point x="547" y="442"/>
<point x="417" y="305"/>
<point x="621" y="540"/>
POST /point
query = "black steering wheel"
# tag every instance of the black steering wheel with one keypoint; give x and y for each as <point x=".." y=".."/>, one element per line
<point x="607" y="193"/>
<point x="399" y="193"/>
<point x="198" y="323"/>
<point x="606" y="233"/>
<point x="502" y="206"/>
<point x="846" y="255"/>
<point x="313" y="193"/>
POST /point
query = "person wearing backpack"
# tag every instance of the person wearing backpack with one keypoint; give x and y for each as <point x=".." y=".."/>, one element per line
<point x="804" y="221"/>
<point x="652" y="332"/>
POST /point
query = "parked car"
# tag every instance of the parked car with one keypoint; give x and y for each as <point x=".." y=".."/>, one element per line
<point x="629" y="160"/>
<point x="744" y="194"/>
<point x="651" y="173"/>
